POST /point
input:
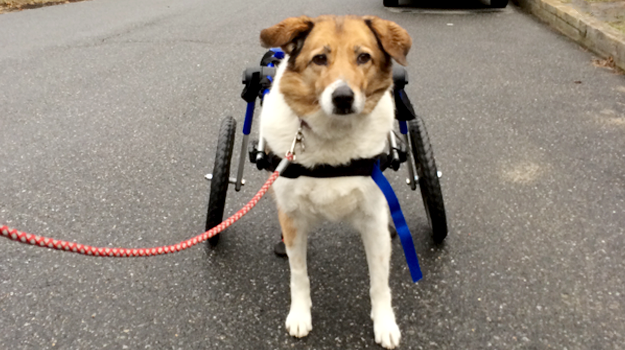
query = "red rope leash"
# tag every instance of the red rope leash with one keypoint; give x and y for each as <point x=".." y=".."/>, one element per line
<point x="51" y="243"/>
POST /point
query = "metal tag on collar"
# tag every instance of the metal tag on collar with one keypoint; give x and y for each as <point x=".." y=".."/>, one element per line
<point x="298" y="139"/>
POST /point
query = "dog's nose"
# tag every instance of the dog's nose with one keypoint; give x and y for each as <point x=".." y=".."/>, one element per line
<point x="343" y="98"/>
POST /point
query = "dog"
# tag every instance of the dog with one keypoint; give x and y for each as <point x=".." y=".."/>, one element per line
<point x="334" y="85"/>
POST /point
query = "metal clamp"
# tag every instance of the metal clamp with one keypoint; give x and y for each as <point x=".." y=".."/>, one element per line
<point x="298" y="139"/>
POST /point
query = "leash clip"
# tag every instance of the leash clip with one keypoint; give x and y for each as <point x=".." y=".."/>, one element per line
<point x="298" y="139"/>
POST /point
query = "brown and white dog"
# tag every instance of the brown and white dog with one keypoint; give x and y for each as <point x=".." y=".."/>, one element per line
<point x="335" y="83"/>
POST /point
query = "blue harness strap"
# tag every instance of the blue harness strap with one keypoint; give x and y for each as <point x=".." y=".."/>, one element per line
<point x="400" y="223"/>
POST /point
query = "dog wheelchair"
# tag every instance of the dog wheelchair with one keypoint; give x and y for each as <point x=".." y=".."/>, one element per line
<point x="410" y="146"/>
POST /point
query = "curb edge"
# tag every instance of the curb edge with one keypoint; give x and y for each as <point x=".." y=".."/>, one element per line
<point x="589" y="32"/>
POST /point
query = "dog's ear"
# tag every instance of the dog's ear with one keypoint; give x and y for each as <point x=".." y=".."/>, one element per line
<point x="286" y="33"/>
<point x="393" y="38"/>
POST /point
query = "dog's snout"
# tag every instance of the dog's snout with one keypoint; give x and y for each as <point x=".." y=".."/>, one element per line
<point x="338" y="98"/>
<point x="343" y="99"/>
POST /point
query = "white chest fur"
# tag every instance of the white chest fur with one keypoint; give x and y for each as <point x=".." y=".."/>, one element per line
<point x="328" y="139"/>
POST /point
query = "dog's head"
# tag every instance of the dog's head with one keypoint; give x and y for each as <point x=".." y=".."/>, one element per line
<point x="341" y="65"/>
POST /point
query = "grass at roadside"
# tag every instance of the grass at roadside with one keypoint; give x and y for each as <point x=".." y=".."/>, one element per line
<point x="619" y="26"/>
<point x="16" y="5"/>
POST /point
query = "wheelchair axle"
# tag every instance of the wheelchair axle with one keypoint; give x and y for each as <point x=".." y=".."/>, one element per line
<point x="231" y="180"/>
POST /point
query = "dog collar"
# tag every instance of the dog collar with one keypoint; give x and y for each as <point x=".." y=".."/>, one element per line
<point x="304" y="124"/>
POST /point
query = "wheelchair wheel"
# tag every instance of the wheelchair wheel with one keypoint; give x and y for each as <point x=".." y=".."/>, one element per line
<point x="221" y="174"/>
<point x="429" y="183"/>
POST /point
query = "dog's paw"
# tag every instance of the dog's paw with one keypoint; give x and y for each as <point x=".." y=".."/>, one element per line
<point x="299" y="323"/>
<point x="386" y="332"/>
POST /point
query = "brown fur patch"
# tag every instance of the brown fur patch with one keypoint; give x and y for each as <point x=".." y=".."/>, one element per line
<point x="342" y="40"/>
<point x="289" y="231"/>
<point x="393" y="38"/>
<point x="285" y="32"/>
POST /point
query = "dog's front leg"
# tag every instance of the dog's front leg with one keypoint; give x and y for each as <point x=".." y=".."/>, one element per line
<point x="295" y="233"/>
<point x="373" y="226"/>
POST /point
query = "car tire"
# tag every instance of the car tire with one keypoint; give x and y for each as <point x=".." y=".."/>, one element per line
<point x="499" y="4"/>
<point x="391" y="3"/>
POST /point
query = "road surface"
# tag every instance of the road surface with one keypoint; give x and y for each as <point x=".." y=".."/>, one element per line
<point x="109" y="112"/>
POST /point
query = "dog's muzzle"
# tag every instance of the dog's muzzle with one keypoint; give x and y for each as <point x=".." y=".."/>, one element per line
<point x="340" y="99"/>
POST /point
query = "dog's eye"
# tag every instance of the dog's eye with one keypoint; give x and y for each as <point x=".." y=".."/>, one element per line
<point x="320" y="60"/>
<point x="364" y="58"/>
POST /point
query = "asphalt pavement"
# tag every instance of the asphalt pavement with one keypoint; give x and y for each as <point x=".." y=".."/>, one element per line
<point x="109" y="111"/>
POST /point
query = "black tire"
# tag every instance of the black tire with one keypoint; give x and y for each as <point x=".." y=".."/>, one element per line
<point x="429" y="183"/>
<point x="499" y="4"/>
<point x="280" y="249"/>
<point x="391" y="3"/>
<point x="221" y="174"/>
